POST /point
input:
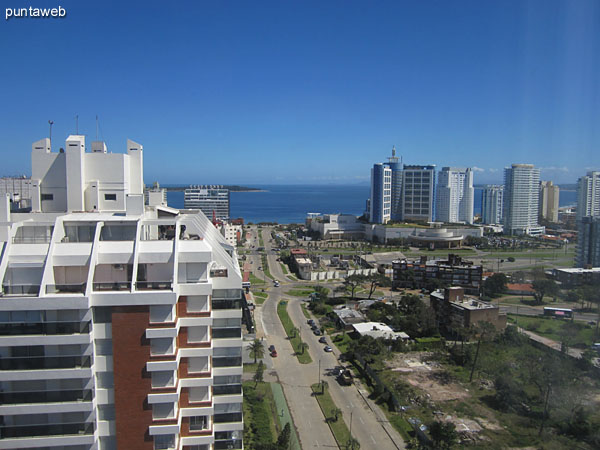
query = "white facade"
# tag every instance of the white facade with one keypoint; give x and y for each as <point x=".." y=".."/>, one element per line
<point x="108" y="312"/>
<point x="73" y="180"/>
<point x="521" y="200"/>
<point x="380" y="206"/>
<point x="492" y="200"/>
<point x="232" y="233"/>
<point x="455" y="195"/>
<point x="588" y="195"/>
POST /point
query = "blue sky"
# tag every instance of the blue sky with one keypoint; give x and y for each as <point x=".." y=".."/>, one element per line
<point x="309" y="92"/>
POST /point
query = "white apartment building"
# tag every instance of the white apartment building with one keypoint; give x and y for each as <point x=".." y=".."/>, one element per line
<point x="232" y="233"/>
<point x="213" y="201"/>
<point x="521" y="200"/>
<point x="492" y="202"/>
<point x="120" y="324"/>
<point x="549" y="196"/>
<point x="454" y="195"/>
<point x="588" y="195"/>
<point x="380" y="205"/>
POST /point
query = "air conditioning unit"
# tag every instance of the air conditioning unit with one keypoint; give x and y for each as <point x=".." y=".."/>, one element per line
<point x="118" y="266"/>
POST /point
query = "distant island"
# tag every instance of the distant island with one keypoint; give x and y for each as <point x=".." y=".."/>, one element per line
<point x="233" y="188"/>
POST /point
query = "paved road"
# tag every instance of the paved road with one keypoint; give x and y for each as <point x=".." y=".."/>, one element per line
<point x="366" y="427"/>
<point x="296" y="379"/>
<point x="539" y="311"/>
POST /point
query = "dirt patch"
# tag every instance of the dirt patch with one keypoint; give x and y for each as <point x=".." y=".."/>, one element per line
<point x="427" y="376"/>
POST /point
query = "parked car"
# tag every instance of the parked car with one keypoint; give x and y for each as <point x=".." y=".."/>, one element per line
<point x="328" y="349"/>
<point x="323" y="340"/>
<point x="274" y="354"/>
<point x="271" y="348"/>
<point x="317" y="332"/>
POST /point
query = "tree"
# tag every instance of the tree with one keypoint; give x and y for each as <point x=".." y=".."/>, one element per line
<point x="295" y="332"/>
<point x="483" y="331"/>
<point x="324" y="384"/>
<point x="352" y="444"/>
<point x="443" y="434"/>
<point x="352" y="282"/>
<point x="283" y="441"/>
<point x="336" y="413"/>
<point x="495" y="284"/>
<point x="258" y="375"/>
<point x="303" y="346"/>
<point x="257" y="349"/>
<point x="377" y="280"/>
<point x="542" y="288"/>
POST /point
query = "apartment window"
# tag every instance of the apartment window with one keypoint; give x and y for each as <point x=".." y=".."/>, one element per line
<point x="47" y="197"/>
<point x="164" y="441"/>
<point x="110" y="197"/>
<point x="198" y="423"/>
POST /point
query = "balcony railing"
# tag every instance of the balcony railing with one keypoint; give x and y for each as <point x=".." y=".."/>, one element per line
<point x="49" y="328"/>
<point x="224" y="333"/>
<point x="228" y="444"/>
<point x="44" y="362"/>
<point x="59" y="429"/>
<point x="228" y="417"/>
<point x="21" y="289"/>
<point x="227" y="361"/>
<point x="31" y="239"/>
<point x="226" y="304"/>
<point x="69" y="395"/>
<point x="227" y="389"/>
<point x="154" y="285"/>
<point x="78" y="288"/>
<point x="112" y="286"/>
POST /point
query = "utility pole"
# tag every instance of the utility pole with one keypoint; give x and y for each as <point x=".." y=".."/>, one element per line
<point x="50" y="122"/>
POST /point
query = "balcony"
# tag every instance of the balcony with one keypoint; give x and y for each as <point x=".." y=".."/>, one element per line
<point x="112" y="286"/>
<point x="70" y="395"/>
<point x="225" y="333"/>
<point x="226" y="304"/>
<point x="44" y="362"/>
<point x="154" y="285"/>
<point x="78" y="288"/>
<point x="61" y="429"/>
<point x="29" y="290"/>
<point x="44" y="328"/>
<point x="227" y="389"/>
<point x="229" y="361"/>
<point x="228" y="444"/>
<point x="227" y="417"/>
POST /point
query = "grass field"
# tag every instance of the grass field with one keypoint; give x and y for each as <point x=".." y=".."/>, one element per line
<point x="300" y="292"/>
<point x="338" y="427"/>
<point x="305" y="311"/>
<point x="288" y="325"/>
<point x="260" y="297"/>
<point x="284" y="268"/>
<point x="260" y="415"/>
<point x="254" y="280"/>
<point x="556" y="329"/>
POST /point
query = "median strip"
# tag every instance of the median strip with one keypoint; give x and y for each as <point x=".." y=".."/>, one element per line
<point x="333" y="415"/>
<point x="300" y="348"/>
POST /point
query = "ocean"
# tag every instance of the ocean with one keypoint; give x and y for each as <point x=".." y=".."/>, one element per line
<point x="291" y="203"/>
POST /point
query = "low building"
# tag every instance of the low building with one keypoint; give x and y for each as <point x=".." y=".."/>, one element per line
<point x="455" y="310"/>
<point x="520" y="289"/>
<point x="304" y="266"/>
<point x="379" y="330"/>
<point x="453" y="271"/>
<point x="346" y="317"/>
<point x="577" y="276"/>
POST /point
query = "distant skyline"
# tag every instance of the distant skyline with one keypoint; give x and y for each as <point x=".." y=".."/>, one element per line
<point x="310" y="92"/>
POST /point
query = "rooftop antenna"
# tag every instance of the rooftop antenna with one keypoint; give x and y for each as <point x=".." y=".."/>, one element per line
<point x="77" y="124"/>
<point x="50" y="122"/>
